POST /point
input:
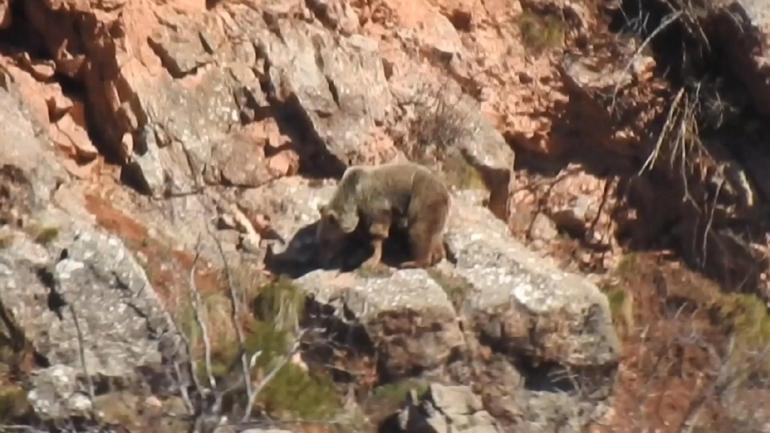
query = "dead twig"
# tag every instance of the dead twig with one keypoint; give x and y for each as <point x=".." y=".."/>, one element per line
<point x="710" y="221"/>
<point x="665" y="22"/>
<point x="551" y="183"/>
<point x="82" y="354"/>
<point x="649" y="163"/>
<point x="196" y="301"/>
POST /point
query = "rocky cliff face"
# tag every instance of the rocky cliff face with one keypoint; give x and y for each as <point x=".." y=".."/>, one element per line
<point x="162" y="162"/>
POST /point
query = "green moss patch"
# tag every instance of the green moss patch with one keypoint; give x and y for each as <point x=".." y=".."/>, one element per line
<point x="13" y="403"/>
<point x="269" y="324"/>
<point x="295" y="392"/>
<point x="395" y="393"/>
<point x="616" y="297"/>
<point x="745" y="316"/>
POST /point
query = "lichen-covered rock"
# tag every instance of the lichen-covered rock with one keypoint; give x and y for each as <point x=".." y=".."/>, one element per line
<point x="121" y="319"/>
<point x="82" y="291"/>
<point x="339" y="83"/>
<point x="57" y="393"/>
<point x="542" y="410"/>
<point x="407" y="316"/>
<point x="522" y="303"/>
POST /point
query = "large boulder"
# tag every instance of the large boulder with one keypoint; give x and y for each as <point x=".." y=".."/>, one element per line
<point x="521" y="302"/>
<point x="338" y="82"/>
<point x="407" y="316"/>
<point x="69" y="291"/>
<point x="83" y="299"/>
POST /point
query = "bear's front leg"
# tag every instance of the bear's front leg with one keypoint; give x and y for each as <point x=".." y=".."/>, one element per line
<point x="378" y="230"/>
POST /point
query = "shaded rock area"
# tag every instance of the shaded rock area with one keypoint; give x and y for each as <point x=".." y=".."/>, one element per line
<point x="162" y="164"/>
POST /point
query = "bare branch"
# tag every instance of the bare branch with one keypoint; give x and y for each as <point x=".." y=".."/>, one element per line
<point x="235" y="315"/>
<point x="668" y="20"/>
<point x="82" y="354"/>
<point x="196" y="301"/>
<point x="668" y="125"/>
<point x="269" y="376"/>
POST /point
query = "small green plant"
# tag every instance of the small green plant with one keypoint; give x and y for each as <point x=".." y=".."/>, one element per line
<point x="395" y="393"/>
<point x="295" y="392"/>
<point x="281" y="303"/>
<point x="616" y="297"/>
<point x="46" y="234"/>
<point x="747" y="317"/>
<point x="628" y="265"/>
<point x="13" y="403"/>
<point x="621" y="308"/>
<point x="541" y="32"/>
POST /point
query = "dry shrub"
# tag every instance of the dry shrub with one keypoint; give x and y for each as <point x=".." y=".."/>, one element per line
<point x="440" y="121"/>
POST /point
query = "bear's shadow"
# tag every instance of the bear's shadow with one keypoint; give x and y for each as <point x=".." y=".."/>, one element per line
<point x="302" y="251"/>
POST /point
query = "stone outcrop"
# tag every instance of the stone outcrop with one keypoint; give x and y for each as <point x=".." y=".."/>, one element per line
<point x="69" y="290"/>
<point x="137" y="134"/>
<point x="518" y="304"/>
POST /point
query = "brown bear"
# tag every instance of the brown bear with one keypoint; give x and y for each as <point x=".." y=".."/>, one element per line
<point x="400" y="192"/>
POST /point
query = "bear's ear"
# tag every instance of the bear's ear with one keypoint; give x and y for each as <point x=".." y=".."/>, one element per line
<point x="322" y="208"/>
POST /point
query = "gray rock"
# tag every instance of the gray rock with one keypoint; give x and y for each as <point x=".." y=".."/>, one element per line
<point x="338" y="83"/>
<point x="446" y="409"/>
<point x="544" y="410"/>
<point x="407" y="316"/>
<point x="123" y="324"/>
<point x="523" y="303"/>
<point x="188" y="124"/>
<point x="24" y="145"/>
<point x="183" y="45"/>
<point x="58" y="394"/>
<point x="147" y="163"/>
<point x="241" y="162"/>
